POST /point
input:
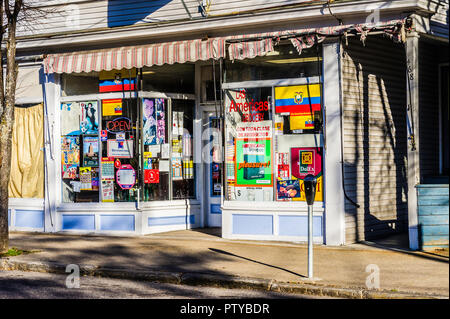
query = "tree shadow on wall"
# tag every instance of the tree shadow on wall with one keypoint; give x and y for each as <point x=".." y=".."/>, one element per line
<point x="375" y="156"/>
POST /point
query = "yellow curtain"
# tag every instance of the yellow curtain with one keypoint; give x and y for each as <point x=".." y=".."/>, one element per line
<point x="27" y="158"/>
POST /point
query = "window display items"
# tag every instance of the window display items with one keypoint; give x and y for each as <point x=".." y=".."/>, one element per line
<point x="89" y="118"/>
<point x="90" y="151"/>
<point x="70" y="171"/>
<point x="86" y="178"/>
<point x="70" y="150"/>
<point x="126" y="176"/>
<point x="107" y="168"/>
<point x="154" y="121"/>
<point x="288" y="189"/>
<point x="305" y="161"/>
<point x="177" y="169"/>
<point x="70" y="118"/>
<point x="151" y="176"/>
<point x="120" y="149"/>
<point x="107" y="191"/>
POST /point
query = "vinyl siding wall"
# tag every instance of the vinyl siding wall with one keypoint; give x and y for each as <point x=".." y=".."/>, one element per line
<point x="375" y="152"/>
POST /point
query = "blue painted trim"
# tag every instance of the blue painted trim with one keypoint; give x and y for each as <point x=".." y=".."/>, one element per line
<point x="244" y="224"/>
<point x="289" y="225"/>
<point x="9" y="217"/>
<point x="433" y="210"/>
<point x="29" y="218"/>
<point x="433" y="191"/>
<point x="433" y="201"/>
<point x="171" y="220"/>
<point x="117" y="222"/>
<point x="433" y="219"/>
<point x="79" y="222"/>
<point x="215" y="209"/>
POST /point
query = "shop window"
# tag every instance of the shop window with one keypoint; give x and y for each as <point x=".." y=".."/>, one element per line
<point x="80" y="151"/>
<point x="105" y="157"/>
<point x="183" y="169"/>
<point x="273" y="135"/>
<point x="156" y="156"/>
<point x="283" y="63"/>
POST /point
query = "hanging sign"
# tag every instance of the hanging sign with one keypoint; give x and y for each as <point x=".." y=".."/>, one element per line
<point x="117" y="80"/>
<point x="118" y="125"/>
<point x="126" y="176"/>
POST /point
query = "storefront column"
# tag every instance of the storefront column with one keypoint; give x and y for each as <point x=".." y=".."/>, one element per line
<point x="52" y="157"/>
<point x="334" y="195"/>
<point x="412" y="118"/>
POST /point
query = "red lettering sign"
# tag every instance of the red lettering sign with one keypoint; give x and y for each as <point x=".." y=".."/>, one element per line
<point x="119" y="125"/>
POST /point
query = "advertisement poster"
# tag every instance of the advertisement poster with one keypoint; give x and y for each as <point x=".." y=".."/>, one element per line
<point x="95" y="178"/>
<point x="288" y="189"/>
<point x="90" y="151"/>
<point x="300" y="102"/>
<point x="85" y="178"/>
<point x="148" y="160"/>
<point x="70" y="118"/>
<point x="177" y="170"/>
<point x="253" y="163"/>
<point x="154" y="118"/>
<point x="70" y="171"/>
<point x="151" y="176"/>
<point x="304" y="161"/>
<point x="126" y="176"/>
<point x="177" y="125"/>
<point x="70" y="150"/>
<point x="112" y="107"/>
<point x="107" y="191"/>
<point x="120" y="149"/>
<point x="89" y="117"/>
<point x="107" y="168"/>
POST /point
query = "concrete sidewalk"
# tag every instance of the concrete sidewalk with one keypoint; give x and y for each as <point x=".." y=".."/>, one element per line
<point x="201" y="257"/>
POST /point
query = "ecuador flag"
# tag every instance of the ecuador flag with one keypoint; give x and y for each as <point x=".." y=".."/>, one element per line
<point x="299" y="99"/>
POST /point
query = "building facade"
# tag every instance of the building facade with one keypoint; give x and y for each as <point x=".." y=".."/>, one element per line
<point x="169" y="115"/>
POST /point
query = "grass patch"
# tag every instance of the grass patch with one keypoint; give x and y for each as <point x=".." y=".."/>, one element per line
<point x="13" y="252"/>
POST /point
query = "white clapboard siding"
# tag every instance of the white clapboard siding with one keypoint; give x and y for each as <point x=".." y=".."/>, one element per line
<point x="69" y="16"/>
<point x="439" y="20"/>
<point x="375" y="150"/>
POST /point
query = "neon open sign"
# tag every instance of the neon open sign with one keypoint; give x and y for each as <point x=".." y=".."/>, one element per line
<point x="118" y="125"/>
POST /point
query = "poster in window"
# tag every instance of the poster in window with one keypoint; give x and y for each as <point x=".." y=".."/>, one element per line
<point x="120" y="149"/>
<point x="107" y="168"/>
<point x="70" y="171"/>
<point x="89" y="117"/>
<point x="254" y="154"/>
<point x="70" y="118"/>
<point x="305" y="161"/>
<point x="126" y="176"/>
<point x="86" y="178"/>
<point x="177" y="170"/>
<point x="90" y="151"/>
<point x="160" y="121"/>
<point x="150" y="125"/>
<point x="288" y="189"/>
<point x="107" y="191"/>
<point x="117" y="80"/>
<point x="70" y="150"/>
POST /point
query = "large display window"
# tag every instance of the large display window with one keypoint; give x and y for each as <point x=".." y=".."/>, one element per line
<point x="117" y="149"/>
<point x="273" y="134"/>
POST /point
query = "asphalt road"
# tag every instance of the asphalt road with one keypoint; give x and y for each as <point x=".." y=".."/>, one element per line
<point x="33" y="285"/>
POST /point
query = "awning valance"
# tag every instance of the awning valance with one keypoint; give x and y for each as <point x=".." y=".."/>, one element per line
<point x="136" y="56"/>
<point x="240" y="47"/>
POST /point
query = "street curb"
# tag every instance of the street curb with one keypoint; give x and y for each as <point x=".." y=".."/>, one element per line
<point x="212" y="280"/>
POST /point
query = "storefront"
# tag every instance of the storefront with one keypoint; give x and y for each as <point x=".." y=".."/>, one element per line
<point x="216" y="132"/>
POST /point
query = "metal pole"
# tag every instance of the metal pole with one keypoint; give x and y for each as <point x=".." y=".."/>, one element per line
<point x="310" y="241"/>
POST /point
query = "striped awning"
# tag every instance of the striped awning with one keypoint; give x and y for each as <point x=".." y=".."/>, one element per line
<point x="136" y="56"/>
<point x="239" y="47"/>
